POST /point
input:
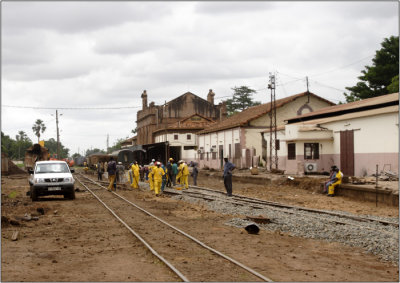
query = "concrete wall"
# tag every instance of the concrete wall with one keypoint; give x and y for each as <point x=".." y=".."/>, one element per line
<point x="292" y="109"/>
<point x="214" y="140"/>
<point x="376" y="141"/>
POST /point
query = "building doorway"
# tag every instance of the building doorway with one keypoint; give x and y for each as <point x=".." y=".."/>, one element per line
<point x="347" y="152"/>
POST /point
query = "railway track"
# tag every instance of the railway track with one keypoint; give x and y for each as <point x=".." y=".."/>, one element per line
<point x="170" y="244"/>
<point x="210" y="195"/>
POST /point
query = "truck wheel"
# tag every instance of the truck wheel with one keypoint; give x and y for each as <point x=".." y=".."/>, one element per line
<point x="34" y="195"/>
<point x="70" y="195"/>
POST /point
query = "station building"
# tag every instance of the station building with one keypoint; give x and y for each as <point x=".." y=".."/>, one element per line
<point x="356" y="137"/>
<point x="240" y="137"/>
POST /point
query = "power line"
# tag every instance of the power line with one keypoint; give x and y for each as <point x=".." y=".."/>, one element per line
<point x="342" y="67"/>
<point x="71" y="108"/>
<point x="321" y="84"/>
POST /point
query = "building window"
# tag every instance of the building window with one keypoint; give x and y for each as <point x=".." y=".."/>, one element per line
<point x="189" y="147"/>
<point x="311" y="150"/>
<point x="277" y="144"/>
<point x="189" y="137"/>
<point x="176" y="137"/>
<point x="291" y="151"/>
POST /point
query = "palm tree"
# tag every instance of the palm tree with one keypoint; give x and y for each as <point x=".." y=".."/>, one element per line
<point x="38" y="127"/>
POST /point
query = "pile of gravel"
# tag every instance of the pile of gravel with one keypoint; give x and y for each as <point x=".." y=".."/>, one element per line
<point x="374" y="238"/>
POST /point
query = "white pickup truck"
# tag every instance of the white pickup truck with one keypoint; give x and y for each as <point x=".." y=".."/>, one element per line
<point x="51" y="178"/>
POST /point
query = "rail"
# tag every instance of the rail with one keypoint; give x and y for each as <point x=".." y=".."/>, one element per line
<point x="248" y="269"/>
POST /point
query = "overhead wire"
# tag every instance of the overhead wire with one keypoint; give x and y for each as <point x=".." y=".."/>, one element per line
<point x="70" y="108"/>
<point x="342" y="67"/>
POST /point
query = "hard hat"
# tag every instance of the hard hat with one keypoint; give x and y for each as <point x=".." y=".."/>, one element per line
<point x="170" y="159"/>
<point x="153" y="160"/>
<point x="158" y="163"/>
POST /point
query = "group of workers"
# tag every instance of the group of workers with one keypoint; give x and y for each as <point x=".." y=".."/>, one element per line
<point x="160" y="176"/>
<point x="156" y="174"/>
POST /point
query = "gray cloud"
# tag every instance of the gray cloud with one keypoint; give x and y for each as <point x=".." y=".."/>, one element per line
<point x="236" y="7"/>
<point x="78" y="16"/>
<point x="75" y="54"/>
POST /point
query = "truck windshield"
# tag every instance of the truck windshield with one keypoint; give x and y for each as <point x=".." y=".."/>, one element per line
<point x="52" y="168"/>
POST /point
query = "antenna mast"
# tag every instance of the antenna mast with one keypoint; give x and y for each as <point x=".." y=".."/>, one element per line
<point x="273" y="156"/>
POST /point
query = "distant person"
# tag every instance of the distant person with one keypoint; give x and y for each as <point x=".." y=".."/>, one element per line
<point x="157" y="173"/>
<point x="135" y="175"/>
<point x="100" y="169"/>
<point x="169" y="172"/>
<point x="120" y="173"/>
<point x="150" y="176"/>
<point x="164" y="177"/>
<point x="331" y="177"/>
<point x="105" y="167"/>
<point x="194" y="173"/>
<point x="85" y="167"/>
<point x="112" y="171"/>
<point x="228" y="168"/>
<point x="335" y="181"/>
<point x="174" y="172"/>
<point x="183" y="174"/>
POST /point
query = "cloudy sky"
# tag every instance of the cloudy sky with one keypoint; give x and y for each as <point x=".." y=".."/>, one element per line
<point x="79" y="56"/>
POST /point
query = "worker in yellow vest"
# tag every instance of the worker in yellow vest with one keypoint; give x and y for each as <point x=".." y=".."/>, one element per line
<point x="184" y="178"/>
<point x="335" y="181"/>
<point x="158" y="173"/>
<point x="150" y="176"/>
<point x="135" y="175"/>
<point x="179" y="175"/>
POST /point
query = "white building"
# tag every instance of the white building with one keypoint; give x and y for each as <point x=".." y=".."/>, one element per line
<point x="238" y="137"/>
<point x="356" y="137"/>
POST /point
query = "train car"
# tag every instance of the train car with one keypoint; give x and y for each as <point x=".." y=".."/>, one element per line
<point x="35" y="153"/>
<point x="125" y="156"/>
<point x="96" y="157"/>
<point x="79" y="160"/>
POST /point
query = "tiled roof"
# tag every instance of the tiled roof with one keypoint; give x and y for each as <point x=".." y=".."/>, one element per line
<point x="181" y="125"/>
<point x="249" y="114"/>
<point x="333" y="110"/>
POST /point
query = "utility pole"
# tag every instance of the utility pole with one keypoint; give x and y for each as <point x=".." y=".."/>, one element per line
<point x="107" y="142"/>
<point x="273" y="156"/>
<point x="58" y="137"/>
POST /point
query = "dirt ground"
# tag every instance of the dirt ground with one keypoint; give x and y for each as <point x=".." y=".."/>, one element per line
<point x="301" y="192"/>
<point x="80" y="241"/>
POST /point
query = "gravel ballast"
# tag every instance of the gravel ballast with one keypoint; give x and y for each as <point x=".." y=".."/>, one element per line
<point x="373" y="237"/>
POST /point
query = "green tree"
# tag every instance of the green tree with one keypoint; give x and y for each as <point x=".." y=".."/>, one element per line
<point x="241" y="100"/>
<point x="376" y="79"/>
<point x="38" y="127"/>
<point x="51" y="145"/>
<point x="394" y="86"/>
<point x="76" y="155"/>
<point x="7" y="144"/>
<point x="23" y="142"/>
<point x="15" y="149"/>
<point x="116" y="146"/>
<point x="95" y="150"/>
